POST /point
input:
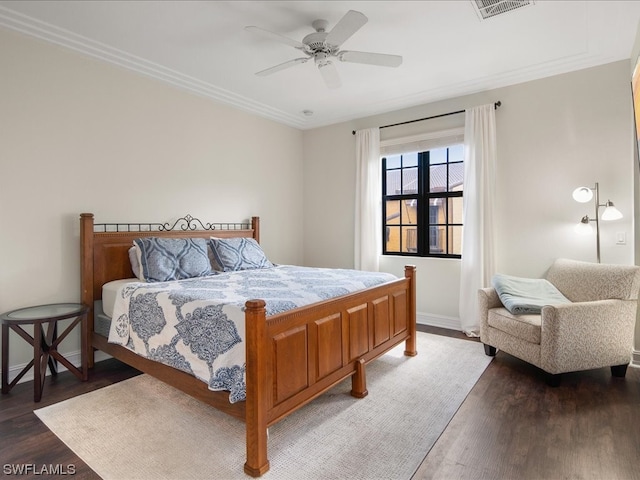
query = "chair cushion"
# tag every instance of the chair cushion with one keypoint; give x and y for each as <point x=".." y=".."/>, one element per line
<point x="524" y="327"/>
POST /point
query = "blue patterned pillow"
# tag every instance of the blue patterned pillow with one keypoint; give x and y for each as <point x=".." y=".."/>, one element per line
<point x="166" y="259"/>
<point x="231" y="254"/>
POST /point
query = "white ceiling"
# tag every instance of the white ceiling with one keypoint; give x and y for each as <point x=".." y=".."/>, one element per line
<point x="447" y="50"/>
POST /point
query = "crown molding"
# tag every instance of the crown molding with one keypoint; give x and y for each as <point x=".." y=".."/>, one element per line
<point x="59" y="36"/>
<point x="50" y="33"/>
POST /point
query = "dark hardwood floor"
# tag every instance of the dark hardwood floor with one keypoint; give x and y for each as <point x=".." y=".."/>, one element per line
<point x="511" y="426"/>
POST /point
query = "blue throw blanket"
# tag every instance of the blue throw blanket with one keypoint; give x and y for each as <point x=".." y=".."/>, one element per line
<point x="526" y="295"/>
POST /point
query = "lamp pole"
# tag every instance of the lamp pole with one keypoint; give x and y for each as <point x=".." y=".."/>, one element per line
<point x="597" y="223"/>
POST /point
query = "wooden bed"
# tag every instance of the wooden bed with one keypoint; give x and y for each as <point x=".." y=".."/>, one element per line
<point x="291" y="357"/>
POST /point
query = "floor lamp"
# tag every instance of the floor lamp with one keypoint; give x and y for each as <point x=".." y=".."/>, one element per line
<point x="585" y="194"/>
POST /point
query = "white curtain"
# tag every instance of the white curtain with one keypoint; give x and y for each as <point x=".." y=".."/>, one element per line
<point x="368" y="224"/>
<point x="478" y="246"/>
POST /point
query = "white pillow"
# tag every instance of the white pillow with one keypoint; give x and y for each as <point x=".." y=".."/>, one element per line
<point x="134" y="259"/>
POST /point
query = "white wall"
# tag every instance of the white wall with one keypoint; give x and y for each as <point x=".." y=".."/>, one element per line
<point x="80" y="135"/>
<point x="553" y="135"/>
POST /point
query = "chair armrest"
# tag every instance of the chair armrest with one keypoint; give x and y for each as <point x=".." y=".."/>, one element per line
<point x="487" y="299"/>
<point x="584" y="335"/>
<point x="490" y="297"/>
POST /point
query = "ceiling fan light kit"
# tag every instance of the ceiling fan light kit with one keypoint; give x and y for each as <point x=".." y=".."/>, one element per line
<point x="324" y="47"/>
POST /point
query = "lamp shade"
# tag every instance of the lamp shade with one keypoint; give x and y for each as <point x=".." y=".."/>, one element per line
<point x="582" y="194"/>
<point x="611" y="212"/>
<point x="584" y="226"/>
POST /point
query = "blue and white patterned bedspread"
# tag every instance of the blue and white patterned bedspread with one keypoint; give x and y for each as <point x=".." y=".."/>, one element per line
<point x="197" y="325"/>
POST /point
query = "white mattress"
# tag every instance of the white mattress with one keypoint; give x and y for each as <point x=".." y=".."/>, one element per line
<point x="109" y="292"/>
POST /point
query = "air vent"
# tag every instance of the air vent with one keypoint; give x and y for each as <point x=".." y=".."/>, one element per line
<point x="491" y="8"/>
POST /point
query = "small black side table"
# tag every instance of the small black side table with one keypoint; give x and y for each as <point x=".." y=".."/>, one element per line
<point x="45" y="344"/>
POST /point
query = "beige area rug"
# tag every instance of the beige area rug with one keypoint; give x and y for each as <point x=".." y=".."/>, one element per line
<point x="143" y="429"/>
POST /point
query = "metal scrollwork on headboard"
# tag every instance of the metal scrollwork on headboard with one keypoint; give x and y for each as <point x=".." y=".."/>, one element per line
<point x="186" y="223"/>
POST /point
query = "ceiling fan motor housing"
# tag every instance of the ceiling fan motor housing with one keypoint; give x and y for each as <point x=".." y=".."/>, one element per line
<point x="316" y="43"/>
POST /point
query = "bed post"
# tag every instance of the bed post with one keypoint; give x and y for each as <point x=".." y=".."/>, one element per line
<point x="410" y="344"/>
<point x="86" y="280"/>
<point x="255" y="225"/>
<point x="257" y="389"/>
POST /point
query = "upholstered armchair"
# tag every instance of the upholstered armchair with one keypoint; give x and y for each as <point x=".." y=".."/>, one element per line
<point x="594" y="330"/>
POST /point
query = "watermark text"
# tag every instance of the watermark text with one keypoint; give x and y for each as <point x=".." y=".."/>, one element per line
<point x="35" y="469"/>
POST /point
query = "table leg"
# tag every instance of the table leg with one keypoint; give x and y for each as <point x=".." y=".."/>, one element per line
<point x="49" y="342"/>
<point x="83" y="347"/>
<point x="5" y="358"/>
<point x="38" y="380"/>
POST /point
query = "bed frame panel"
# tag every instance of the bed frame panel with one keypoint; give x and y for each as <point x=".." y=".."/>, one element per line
<point x="291" y="358"/>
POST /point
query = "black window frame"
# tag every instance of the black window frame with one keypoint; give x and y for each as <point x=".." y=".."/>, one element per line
<point x="425" y="226"/>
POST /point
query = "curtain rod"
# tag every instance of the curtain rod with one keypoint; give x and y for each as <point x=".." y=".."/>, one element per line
<point x="495" y="105"/>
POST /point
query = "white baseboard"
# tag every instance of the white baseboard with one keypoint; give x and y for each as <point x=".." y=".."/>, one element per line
<point x="73" y="357"/>
<point x="452" y="323"/>
<point x="635" y="358"/>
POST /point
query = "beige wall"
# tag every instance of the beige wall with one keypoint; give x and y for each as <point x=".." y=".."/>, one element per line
<point x="553" y="135"/>
<point x="80" y="135"/>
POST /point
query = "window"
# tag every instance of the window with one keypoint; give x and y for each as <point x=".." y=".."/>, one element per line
<point x="422" y="202"/>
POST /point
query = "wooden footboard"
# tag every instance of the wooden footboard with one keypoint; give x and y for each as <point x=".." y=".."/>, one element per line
<point x="291" y="358"/>
<point x="295" y="356"/>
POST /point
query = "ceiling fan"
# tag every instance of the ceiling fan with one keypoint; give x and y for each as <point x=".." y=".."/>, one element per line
<point x="323" y="47"/>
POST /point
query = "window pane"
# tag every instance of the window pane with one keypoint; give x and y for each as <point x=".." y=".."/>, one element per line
<point x="393" y="212"/>
<point x="456" y="153"/>
<point x="455" y="240"/>
<point x="437" y="238"/>
<point x="438" y="155"/>
<point x="436" y="211"/>
<point x="409" y="180"/>
<point x="393" y="161"/>
<point x="394" y="187"/>
<point x="456" y="177"/>
<point x="455" y="210"/>
<point x="409" y="239"/>
<point x="410" y="159"/>
<point x="393" y="239"/>
<point x="410" y="212"/>
<point x="437" y="178"/>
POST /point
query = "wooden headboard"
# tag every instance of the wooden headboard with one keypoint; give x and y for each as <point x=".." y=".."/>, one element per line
<point x="104" y="247"/>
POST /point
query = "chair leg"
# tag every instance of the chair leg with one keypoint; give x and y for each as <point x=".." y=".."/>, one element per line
<point x="619" y="370"/>
<point x="553" y="380"/>
<point x="489" y="350"/>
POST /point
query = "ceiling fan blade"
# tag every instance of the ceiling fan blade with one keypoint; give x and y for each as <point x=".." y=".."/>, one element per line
<point x="381" y="59"/>
<point x="282" y="66"/>
<point x="329" y="74"/>
<point x="347" y="26"/>
<point x="275" y="36"/>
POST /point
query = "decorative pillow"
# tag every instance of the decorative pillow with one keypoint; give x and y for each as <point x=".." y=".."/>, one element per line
<point x="241" y="253"/>
<point x="166" y="259"/>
